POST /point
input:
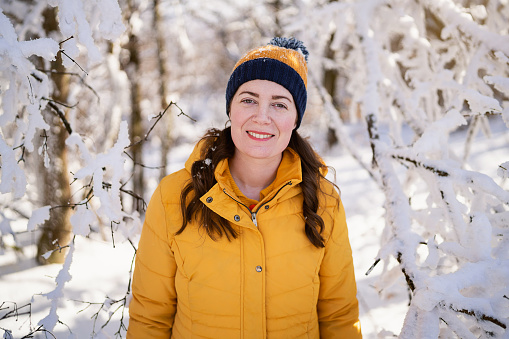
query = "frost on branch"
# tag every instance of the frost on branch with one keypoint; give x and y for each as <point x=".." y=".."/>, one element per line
<point x="22" y="86"/>
<point x="39" y="216"/>
<point x="12" y="179"/>
<point x="73" y="22"/>
<point x="105" y="172"/>
<point x="50" y="321"/>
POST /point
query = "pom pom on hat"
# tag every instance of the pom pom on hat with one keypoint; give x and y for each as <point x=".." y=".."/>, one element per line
<point x="291" y="43"/>
<point x="283" y="61"/>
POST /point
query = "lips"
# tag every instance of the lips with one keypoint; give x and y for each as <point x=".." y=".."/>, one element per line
<point x="260" y="135"/>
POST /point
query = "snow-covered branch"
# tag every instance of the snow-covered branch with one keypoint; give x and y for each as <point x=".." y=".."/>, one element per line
<point x="417" y="72"/>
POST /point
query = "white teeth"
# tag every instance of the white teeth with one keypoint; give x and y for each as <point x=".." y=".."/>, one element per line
<point x="260" y="136"/>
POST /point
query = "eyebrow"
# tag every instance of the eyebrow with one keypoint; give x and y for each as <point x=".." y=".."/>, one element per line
<point x="274" y="97"/>
<point x="277" y="97"/>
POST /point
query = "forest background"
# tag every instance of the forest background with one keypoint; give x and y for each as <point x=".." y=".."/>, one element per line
<point x="101" y="99"/>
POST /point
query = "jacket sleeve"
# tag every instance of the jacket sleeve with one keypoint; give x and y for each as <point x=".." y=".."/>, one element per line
<point x="338" y="309"/>
<point x="153" y="304"/>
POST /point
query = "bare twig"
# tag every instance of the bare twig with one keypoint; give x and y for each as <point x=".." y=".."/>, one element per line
<point x="59" y="248"/>
<point x="157" y="118"/>
<point x="62" y="51"/>
<point x="109" y="302"/>
<point x="142" y="165"/>
<point x="137" y="197"/>
<point x="106" y="185"/>
<point x="38" y="329"/>
<point x="418" y="163"/>
<point x="71" y="74"/>
<point x="61" y="42"/>
<point x="60" y="103"/>
<point x="22" y="146"/>
<point x="74" y="205"/>
<point x="14" y="313"/>
<point x="60" y="114"/>
<point x="372" y="266"/>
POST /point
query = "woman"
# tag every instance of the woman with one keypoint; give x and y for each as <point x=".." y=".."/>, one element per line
<point x="249" y="240"/>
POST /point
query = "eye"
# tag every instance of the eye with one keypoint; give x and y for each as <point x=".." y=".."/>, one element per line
<point x="247" y="101"/>
<point x="280" y="105"/>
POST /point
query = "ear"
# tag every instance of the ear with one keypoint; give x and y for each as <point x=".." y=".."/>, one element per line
<point x="229" y="108"/>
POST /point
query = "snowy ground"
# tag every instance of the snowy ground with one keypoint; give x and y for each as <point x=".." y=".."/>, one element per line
<point x="100" y="271"/>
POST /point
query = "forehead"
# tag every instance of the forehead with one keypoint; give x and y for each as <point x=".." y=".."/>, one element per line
<point x="264" y="87"/>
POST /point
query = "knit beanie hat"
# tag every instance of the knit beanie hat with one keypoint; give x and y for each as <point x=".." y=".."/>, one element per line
<point x="283" y="61"/>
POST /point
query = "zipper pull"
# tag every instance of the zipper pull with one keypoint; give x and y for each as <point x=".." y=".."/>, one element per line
<point x="253" y="218"/>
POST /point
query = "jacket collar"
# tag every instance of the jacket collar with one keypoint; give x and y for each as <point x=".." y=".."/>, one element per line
<point x="289" y="170"/>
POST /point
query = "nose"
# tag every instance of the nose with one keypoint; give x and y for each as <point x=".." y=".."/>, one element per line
<point x="262" y="115"/>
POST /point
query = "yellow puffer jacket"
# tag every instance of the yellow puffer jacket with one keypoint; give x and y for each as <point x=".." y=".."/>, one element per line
<point x="270" y="282"/>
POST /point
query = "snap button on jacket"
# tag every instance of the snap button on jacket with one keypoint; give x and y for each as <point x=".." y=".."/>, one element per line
<point x="270" y="282"/>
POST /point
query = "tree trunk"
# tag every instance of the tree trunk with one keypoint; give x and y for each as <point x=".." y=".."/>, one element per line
<point x="164" y="76"/>
<point x="136" y="131"/>
<point x="57" y="231"/>
<point x="330" y="77"/>
<point x="277" y="8"/>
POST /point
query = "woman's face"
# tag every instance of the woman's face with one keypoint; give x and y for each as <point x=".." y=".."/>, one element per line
<point x="263" y="115"/>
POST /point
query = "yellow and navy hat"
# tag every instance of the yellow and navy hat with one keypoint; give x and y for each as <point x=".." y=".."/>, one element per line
<point x="283" y="61"/>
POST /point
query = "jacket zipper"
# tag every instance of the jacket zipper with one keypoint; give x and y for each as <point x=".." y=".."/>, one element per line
<point x="254" y="213"/>
<point x="253" y="218"/>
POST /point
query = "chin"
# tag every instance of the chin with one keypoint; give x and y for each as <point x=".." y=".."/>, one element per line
<point x="264" y="153"/>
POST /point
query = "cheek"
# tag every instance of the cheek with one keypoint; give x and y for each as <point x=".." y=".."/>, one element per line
<point x="237" y="117"/>
<point x="287" y="125"/>
<point x="236" y="122"/>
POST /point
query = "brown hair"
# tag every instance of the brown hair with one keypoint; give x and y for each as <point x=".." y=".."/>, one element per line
<point x="218" y="145"/>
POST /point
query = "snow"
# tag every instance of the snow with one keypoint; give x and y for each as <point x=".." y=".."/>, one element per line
<point x="436" y="134"/>
<point x="74" y="23"/>
<point x="44" y="47"/>
<point x="39" y="216"/>
<point x="105" y="167"/>
<point x="98" y="270"/>
<point x="12" y="178"/>
<point x="503" y="170"/>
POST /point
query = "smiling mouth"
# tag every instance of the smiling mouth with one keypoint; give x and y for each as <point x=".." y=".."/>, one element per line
<point x="260" y="135"/>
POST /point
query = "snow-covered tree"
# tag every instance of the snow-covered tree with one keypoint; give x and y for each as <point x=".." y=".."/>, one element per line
<point x="29" y="94"/>
<point x="415" y="73"/>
